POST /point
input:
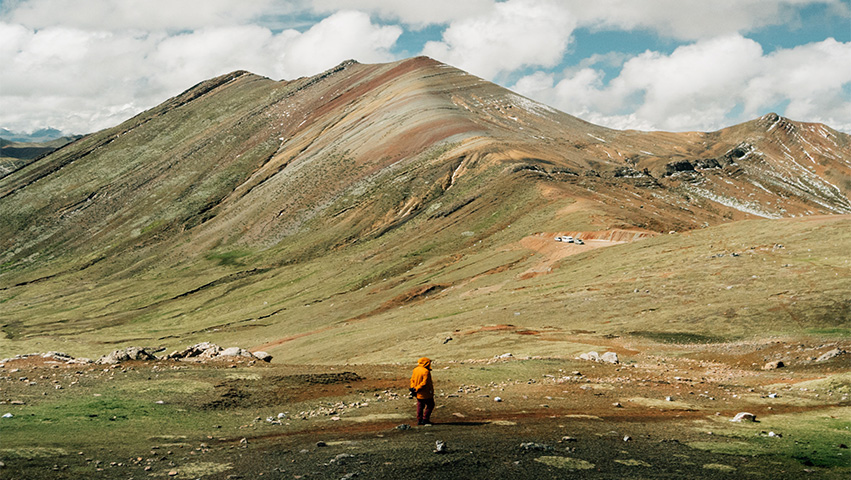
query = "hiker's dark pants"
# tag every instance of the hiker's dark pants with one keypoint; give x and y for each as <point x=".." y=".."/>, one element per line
<point x="424" y="408"/>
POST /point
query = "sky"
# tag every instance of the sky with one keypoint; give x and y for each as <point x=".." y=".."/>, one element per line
<point x="678" y="65"/>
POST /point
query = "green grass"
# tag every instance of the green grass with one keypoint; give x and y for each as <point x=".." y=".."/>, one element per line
<point x="812" y="438"/>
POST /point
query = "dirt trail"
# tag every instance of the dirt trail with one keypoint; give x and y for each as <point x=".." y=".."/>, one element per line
<point x="554" y="251"/>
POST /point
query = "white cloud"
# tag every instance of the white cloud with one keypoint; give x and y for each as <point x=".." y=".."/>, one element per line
<point x="416" y="13"/>
<point x="342" y="36"/>
<point x="515" y="34"/>
<point x="80" y="80"/>
<point x="692" y="19"/>
<point x="133" y="14"/>
<point x="699" y="86"/>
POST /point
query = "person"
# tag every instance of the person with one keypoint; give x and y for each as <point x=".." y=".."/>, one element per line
<point x="423" y="389"/>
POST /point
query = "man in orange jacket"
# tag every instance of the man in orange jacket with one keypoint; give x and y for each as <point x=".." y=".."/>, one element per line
<point x="422" y="387"/>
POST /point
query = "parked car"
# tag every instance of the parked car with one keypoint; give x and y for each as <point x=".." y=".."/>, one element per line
<point x="579" y="241"/>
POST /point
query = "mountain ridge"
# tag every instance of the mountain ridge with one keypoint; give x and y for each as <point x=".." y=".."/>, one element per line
<point x="374" y="172"/>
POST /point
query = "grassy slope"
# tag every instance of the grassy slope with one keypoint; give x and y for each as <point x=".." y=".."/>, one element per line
<point x="358" y="305"/>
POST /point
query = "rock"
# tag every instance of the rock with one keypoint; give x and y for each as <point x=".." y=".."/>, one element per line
<point x="231" y="352"/>
<point x="617" y="405"/>
<point x="669" y="399"/>
<point x="497" y="399"/>
<point x="609" y="357"/>
<point x="505" y="355"/>
<point x="772" y="395"/>
<point x="129" y="353"/>
<point x="830" y="354"/>
<point x="626" y="438"/>
<point x="568" y="439"/>
<point x="590" y="356"/>
<point x="263" y="356"/>
<point x="321" y="444"/>
<point x="774" y="365"/>
<point x="172" y="473"/>
<point x="440" y="446"/>
<point x="403" y="426"/>
<point x="7" y="415"/>
<point x="744" y="417"/>
<point x="532" y="446"/>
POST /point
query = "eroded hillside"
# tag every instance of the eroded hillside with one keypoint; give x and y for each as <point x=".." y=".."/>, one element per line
<point x="233" y="208"/>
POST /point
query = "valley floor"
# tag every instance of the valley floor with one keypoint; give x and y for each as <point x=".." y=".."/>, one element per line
<point x="660" y="413"/>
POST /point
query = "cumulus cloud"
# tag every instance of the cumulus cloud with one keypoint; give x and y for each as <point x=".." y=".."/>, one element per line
<point x="416" y="13"/>
<point x="513" y="35"/>
<point x="132" y="14"/>
<point x="700" y="86"/>
<point x="692" y="19"/>
<point x="82" y="80"/>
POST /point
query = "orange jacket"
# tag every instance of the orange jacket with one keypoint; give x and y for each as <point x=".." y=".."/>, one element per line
<point x="421" y="379"/>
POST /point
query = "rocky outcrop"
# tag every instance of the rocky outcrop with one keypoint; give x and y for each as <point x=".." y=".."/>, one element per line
<point x="830" y="354"/>
<point x="211" y="351"/>
<point x="126" y="354"/>
<point x="608" y="357"/>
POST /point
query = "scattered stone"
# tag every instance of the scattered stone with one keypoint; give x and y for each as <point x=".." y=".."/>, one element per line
<point x="172" y="473"/>
<point x="440" y="446"/>
<point x="772" y="395"/>
<point x="497" y="399"/>
<point x="617" y="405"/>
<point x="7" y="415"/>
<point x="590" y="356"/>
<point x="608" y="357"/>
<point x="774" y="365"/>
<point x="447" y="340"/>
<point x="669" y="399"/>
<point x="505" y="355"/>
<point x="626" y="438"/>
<point x="744" y="417"/>
<point x="532" y="446"/>
<point x="772" y="434"/>
<point x="403" y="426"/>
<point x="830" y="354"/>
<point x="321" y="444"/>
<point x="568" y="439"/>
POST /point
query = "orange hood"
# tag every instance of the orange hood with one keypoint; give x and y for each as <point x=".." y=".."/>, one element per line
<point x="425" y="362"/>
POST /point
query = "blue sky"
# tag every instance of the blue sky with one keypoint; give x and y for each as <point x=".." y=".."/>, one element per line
<point x="84" y="65"/>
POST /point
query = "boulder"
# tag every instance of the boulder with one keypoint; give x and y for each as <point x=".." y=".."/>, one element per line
<point x="609" y="357"/>
<point x="591" y="356"/>
<point x="744" y="417"/>
<point x="774" y="365"/>
<point x="235" y="352"/>
<point x="263" y="356"/>
<point x="129" y="353"/>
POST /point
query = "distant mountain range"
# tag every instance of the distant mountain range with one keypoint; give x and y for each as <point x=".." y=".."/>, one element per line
<point x="358" y="186"/>
<point x="18" y="154"/>
<point x="42" y="135"/>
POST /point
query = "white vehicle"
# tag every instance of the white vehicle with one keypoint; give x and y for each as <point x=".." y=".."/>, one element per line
<point x="579" y="241"/>
<point x="567" y="239"/>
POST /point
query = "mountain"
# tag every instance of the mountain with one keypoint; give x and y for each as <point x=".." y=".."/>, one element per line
<point x="42" y="135"/>
<point x="14" y="155"/>
<point x="232" y="208"/>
